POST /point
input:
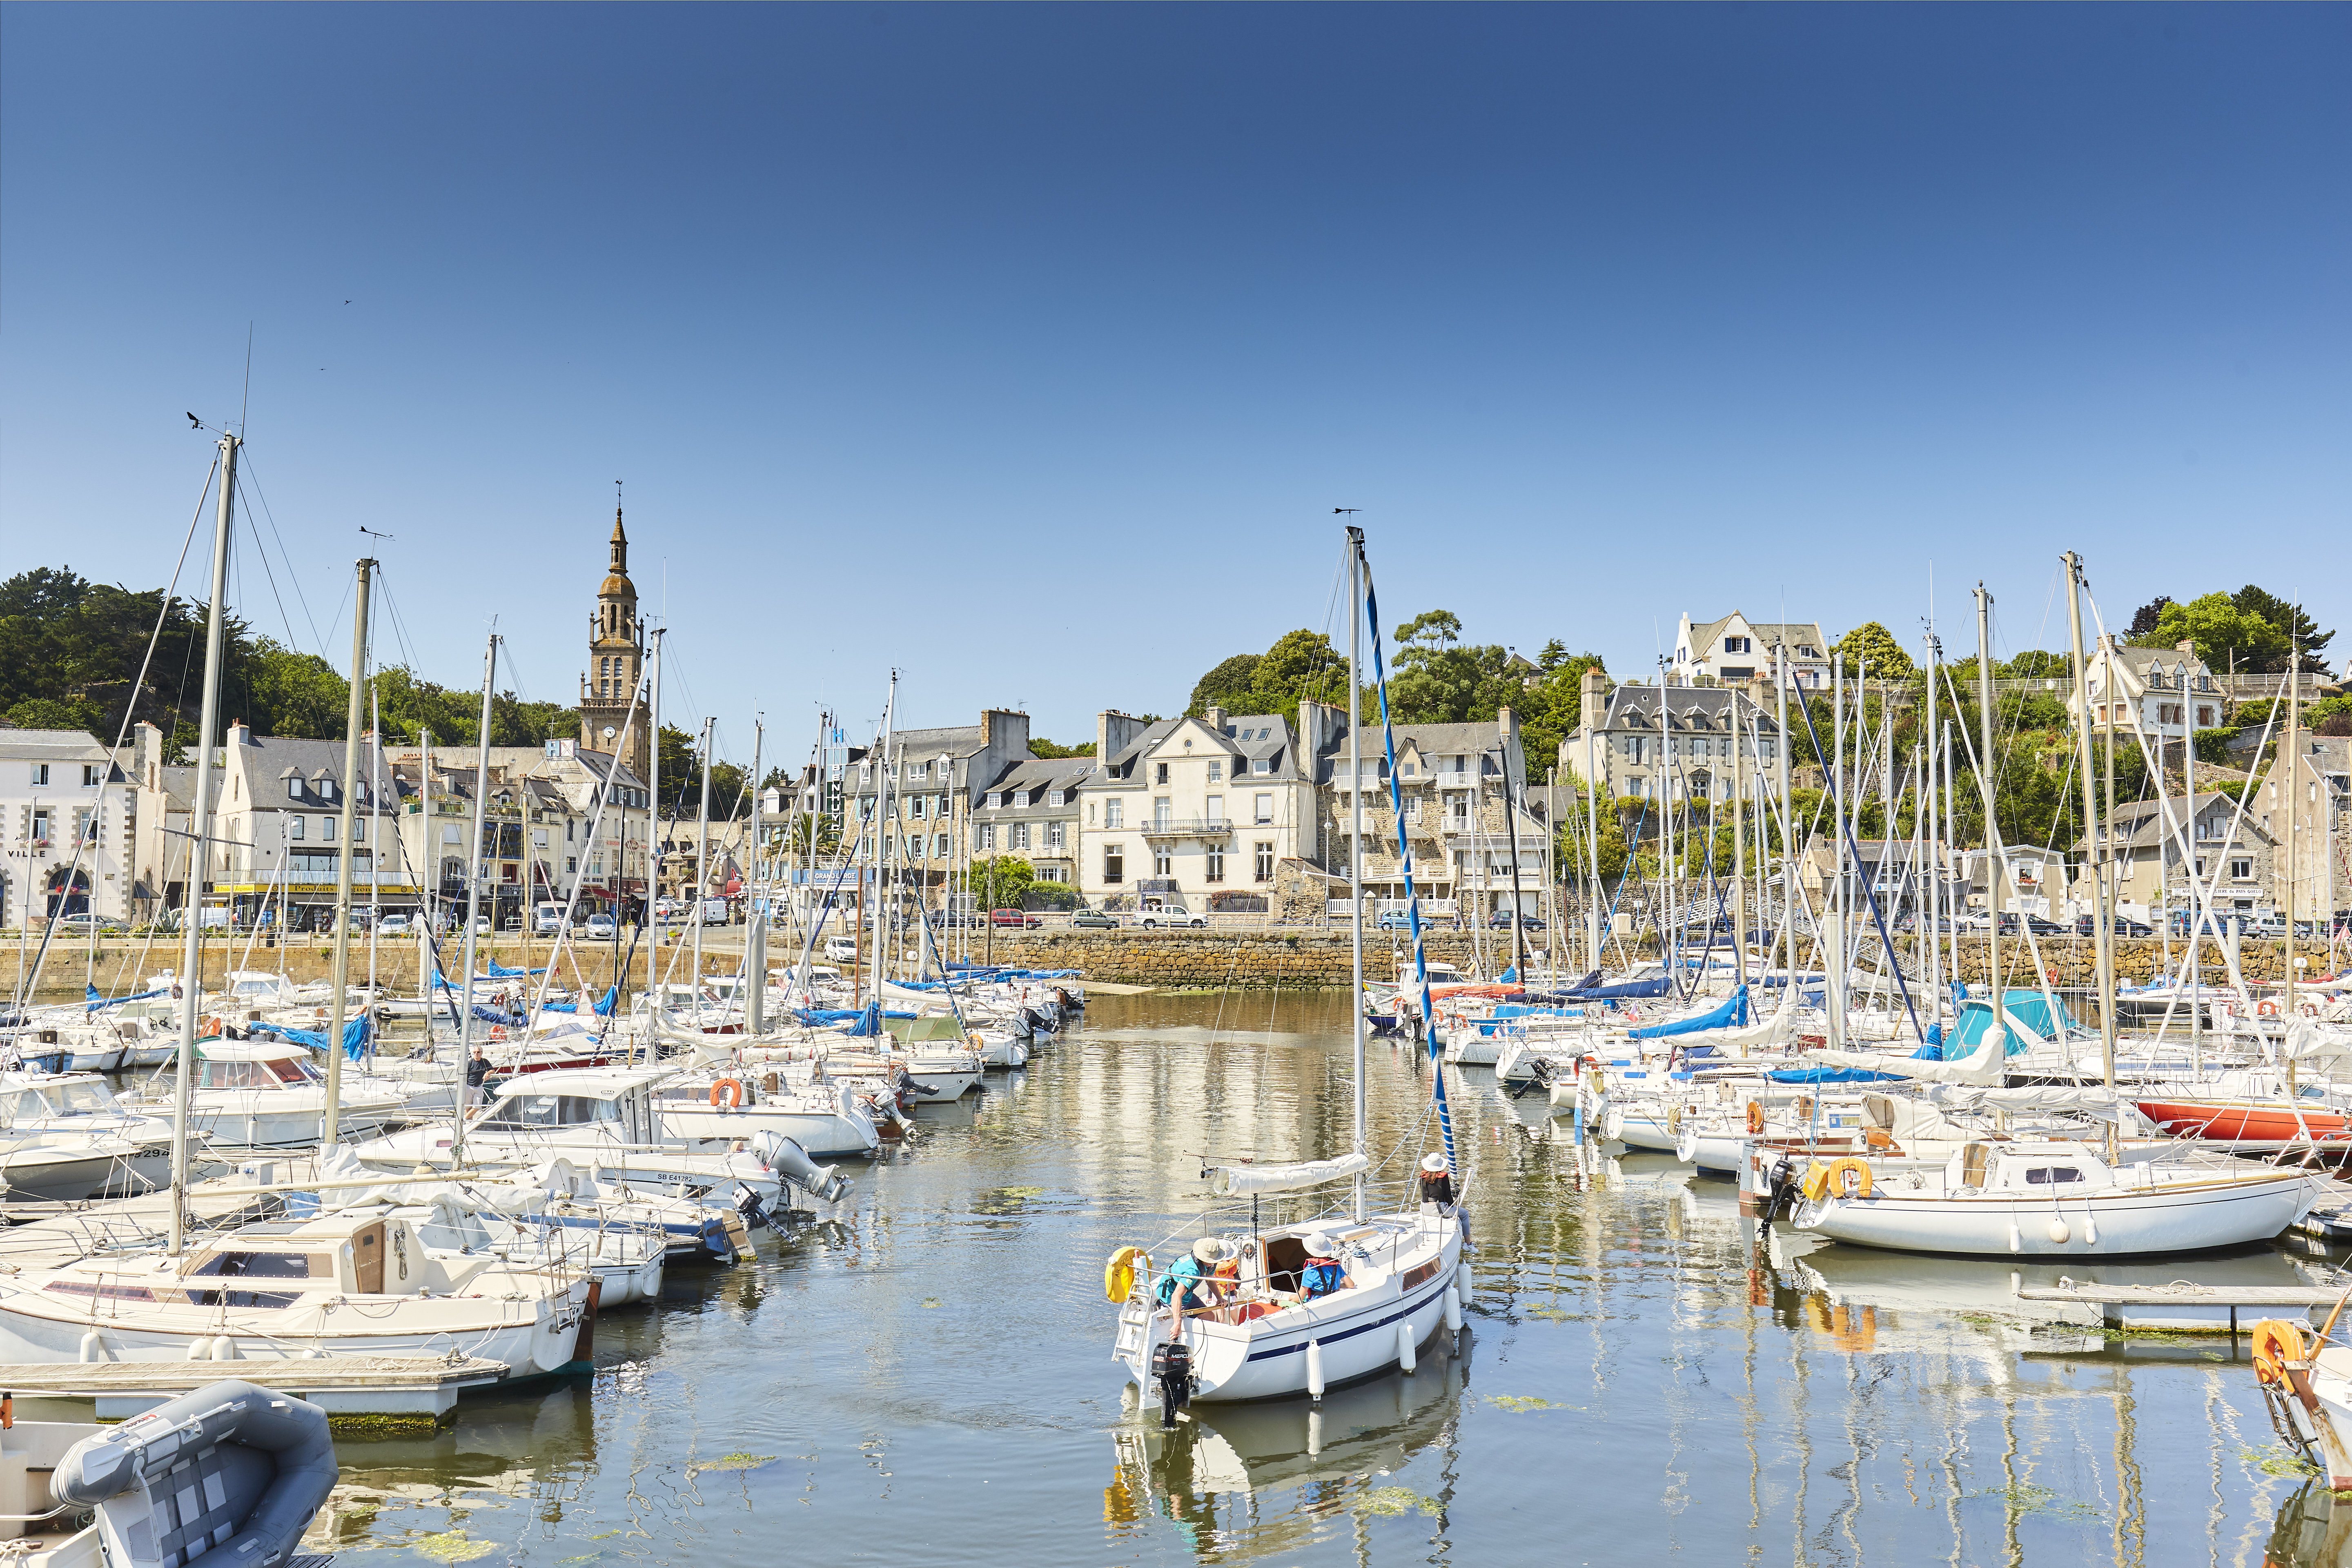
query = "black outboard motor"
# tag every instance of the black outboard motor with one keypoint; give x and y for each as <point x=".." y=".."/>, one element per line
<point x="754" y="1211"/>
<point x="1781" y="1189"/>
<point x="1171" y="1368"/>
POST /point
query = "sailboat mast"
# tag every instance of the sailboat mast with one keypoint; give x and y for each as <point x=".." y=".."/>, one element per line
<point x="653" y="842"/>
<point x="348" y="787"/>
<point x="755" y="936"/>
<point x="474" y="863"/>
<point x="1594" y="714"/>
<point x="192" y="907"/>
<point x="1355" y="844"/>
<point x="1993" y="853"/>
<point x="2095" y="851"/>
<point x="702" y="854"/>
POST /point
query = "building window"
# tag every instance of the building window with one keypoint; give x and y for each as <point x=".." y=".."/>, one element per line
<point x="1736" y="645"/>
<point x="2242" y="870"/>
<point x="359" y="829"/>
<point x="450" y="835"/>
<point x="89" y="775"/>
<point x="1216" y="770"/>
<point x="1056" y="835"/>
<point x="1159" y="772"/>
<point x="1160" y="812"/>
<point x="2204" y="718"/>
<point x="1264" y="859"/>
<point x="1216" y="871"/>
<point x="40" y="825"/>
<point x="1020" y="835"/>
<point x="1114" y="863"/>
<point x="1163" y="863"/>
<point x="1052" y="874"/>
<point x="1113" y="811"/>
<point x="294" y="826"/>
<point x="327" y="829"/>
<point x="988" y="836"/>
<point x="40" y="773"/>
<point x="293" y="789"/>
<point x="939" y="845"/>
<point x="1264" y="809"/>
<point x="1263" y="765"/>
<point x="539" y="837"/>
<point x="1216" y="809"/>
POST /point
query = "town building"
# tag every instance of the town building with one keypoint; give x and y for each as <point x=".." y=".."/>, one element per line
<point x="2232" y="854"/>
<point x="2320" y="774"/>
<point x="1735" y="649"/>
<point x="1675" y="742"/>
<point x="616" y="654"/>
<point x="1193" y="813"/>
<point x="2164" y="694"/>
<point x="69" y="829"/>
<point x="541" y="832"/>
<point x="1030" y="812"/>
<point x="273" y="854"/>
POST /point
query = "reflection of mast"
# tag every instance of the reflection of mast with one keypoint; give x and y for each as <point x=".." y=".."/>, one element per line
<point x="2131" y="1520"/>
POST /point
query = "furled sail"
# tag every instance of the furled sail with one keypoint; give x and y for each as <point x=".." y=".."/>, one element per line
<point x="1238" y="1181"/>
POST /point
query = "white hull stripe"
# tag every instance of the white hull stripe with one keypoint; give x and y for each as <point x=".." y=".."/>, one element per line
<point x="1405" y="1311"/>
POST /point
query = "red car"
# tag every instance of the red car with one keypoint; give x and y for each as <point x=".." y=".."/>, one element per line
<point x="1021" y="917"/>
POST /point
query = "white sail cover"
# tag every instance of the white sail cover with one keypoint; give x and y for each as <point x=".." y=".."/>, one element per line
<point x="1239" y="1181"/>
<point x="1982" y="1065"/>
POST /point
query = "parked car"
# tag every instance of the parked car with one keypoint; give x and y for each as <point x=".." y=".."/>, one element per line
<point x="602" y="926"/>
<point x="1501" y="920"/>
<point x="1022" y="919"/>
<point x="2087" y="925"/>
<point x="1394" y="920"/>
<point x="396" y="925"/>
<point x="1093" y="920"/>
<point x="83" y="925"/>
<point x="1151" y="917"/>
<point x="841" y="949"/>
<point x="2041" y="927"/>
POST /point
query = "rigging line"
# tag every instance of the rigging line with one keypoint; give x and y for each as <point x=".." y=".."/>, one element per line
<point x="253" y="484"/>
<point x="271" y="577"/>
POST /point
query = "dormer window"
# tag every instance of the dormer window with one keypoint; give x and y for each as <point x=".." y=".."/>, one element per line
<point x="293" y="789"/>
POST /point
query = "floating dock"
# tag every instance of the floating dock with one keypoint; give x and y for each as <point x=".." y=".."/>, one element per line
<point x="423" y="1387"/>
<point x="2183" y="1308"/>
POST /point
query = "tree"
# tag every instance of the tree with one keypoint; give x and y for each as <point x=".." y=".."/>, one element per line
<point x="1871" y="649"/>
<point x="1226" y="687"/>
<point x="2036" y="664"/>
<point x="999" y="881"/>
<point x="2225" y="637"/>
<point x="2144" y="619"/>
<point x="1429" y="629"/>
<point x="2292" y="625"/>
<point x="810" y="830"/>
<point x="1048" y="750"/>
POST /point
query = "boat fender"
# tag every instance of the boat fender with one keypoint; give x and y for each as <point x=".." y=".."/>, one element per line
<point x="1847" y="1178"/>
<point x="1673" y="1117"/>
<point x="1120" y="1273"/>
<point x="200" y="1349"/>
<point x="1315" y="1369"/>
<point x="93" y="1347"/>
<point x="1461" y="1284"/>
<point x="1755" y="1117"/>
<point x="2090" y="1228"/>
<point x="1687" y="1146"/>
<point x="2057" y="1231"/>
<point x="731" y="1091"/>
<point x="1452" y="1313"/>
<point x="1406" y="1357"/>
<point x="2016" y="1236"/>
<point x="1613" y="1125"/>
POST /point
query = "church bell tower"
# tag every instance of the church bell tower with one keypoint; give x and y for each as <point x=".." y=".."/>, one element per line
<point x="616" y="657"/>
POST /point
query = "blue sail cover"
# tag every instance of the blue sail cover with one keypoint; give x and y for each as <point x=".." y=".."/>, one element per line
<point x="496" y="1015"/>
<point x="604" y="1005"/>
<point x="502" y="971"/>
<point x="1662" y="986"/>
<point x="93" y="1001"/>
<point x="1730" y="1015"/>
<point x="1830" y="1075"/>
<point x="356" y="1035"/>
<point x="2031" y="1008"/>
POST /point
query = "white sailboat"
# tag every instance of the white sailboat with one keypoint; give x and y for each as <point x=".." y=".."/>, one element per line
<point x="1274" y="1328"/>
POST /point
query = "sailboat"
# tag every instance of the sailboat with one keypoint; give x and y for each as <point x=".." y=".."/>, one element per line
<point x="1266" y="1336"/>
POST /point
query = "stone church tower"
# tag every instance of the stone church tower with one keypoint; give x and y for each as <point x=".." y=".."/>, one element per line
<point x="616" y="655"/>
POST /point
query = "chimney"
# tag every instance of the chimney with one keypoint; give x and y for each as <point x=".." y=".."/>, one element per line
<point x="1594" y="687"/>
<point x="2186" y="647"/>
<point x="1215" y="719"/>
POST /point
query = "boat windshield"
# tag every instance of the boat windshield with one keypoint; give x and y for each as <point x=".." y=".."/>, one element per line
<point x="465" y="1235"/>
<point x="65" y="1099"/>
<point x="292" y="1070"/>
<point x="529" y="1110"/>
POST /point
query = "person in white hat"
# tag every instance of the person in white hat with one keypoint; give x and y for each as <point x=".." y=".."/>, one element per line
<point x="1189" y="1284"/>
<point x="1324" y="1273"/>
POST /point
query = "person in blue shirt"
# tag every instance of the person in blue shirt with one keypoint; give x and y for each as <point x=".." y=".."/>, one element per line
<point x="1190" y="1283"/>
<point x="1324" y="1273"/>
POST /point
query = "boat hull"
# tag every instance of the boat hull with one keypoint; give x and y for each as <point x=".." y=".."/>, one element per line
<point x="2228" y="1120"/>
<point x="2125" y="1223"/>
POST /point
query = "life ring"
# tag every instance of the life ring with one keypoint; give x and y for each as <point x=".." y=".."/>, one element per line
<point x="2266" y="1008"/>
<point x="1118" y="1274"/>
<point x="2276" y="1343"/>
<point x="497" y="1032"/>
<point x="731" y="1091"/>
<point x="1755" y="1116"/>
<point x="1832" y="1181"/>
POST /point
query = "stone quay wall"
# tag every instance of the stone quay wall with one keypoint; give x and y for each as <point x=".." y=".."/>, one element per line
<point x="1260" y="959"/>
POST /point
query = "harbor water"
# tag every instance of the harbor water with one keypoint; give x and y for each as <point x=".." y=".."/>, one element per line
<point x="1644" y="1374"/>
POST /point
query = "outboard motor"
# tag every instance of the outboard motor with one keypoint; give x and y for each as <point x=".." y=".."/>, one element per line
<point x="1780" y="1188"/>
<point x="754" y="1211"/>
<point x="1171" y="1368"/>
<point x="231" y="1472"/>
<point x="788" y="1160"/>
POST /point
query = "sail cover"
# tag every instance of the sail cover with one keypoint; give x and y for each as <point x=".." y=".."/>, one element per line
<point x="1239" y="1181"/>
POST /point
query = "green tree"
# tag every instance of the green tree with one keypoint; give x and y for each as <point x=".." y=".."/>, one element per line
<point x="813" y="830"/>
<point x="999" y="881"/>
<point x="2225" y="637"/>
<point x="2037" y="664"/>
<point x="2292" y="625"/>
<point x="1227" y="686"/>
<point x="293" y="693"/>
<point x="1049" y="750"/>
<point x="1871" y="647"/>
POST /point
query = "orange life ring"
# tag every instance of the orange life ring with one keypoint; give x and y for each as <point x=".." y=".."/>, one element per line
<point x="2276" y="1343"/>
<point x="1859" y="1169"/>
<point x="212" y="1029"/>
<point x="1755" y="1116"/>
<point x="731" y="1090"/>
<point x="497" y="1032"/>
<point x="2266" y="1008"/>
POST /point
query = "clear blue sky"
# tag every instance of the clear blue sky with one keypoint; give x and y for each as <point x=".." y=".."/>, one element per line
<point x="1031" y="349"/>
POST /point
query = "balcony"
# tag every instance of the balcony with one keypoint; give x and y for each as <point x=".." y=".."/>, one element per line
<point x="1190" y="827"/>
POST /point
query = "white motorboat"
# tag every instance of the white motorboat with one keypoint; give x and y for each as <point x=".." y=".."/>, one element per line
<point x="831" y="1119"/>
<point x="2054" y="1199"/>
<point x="82" y="1104"/>
<point x="252" y="1094"/>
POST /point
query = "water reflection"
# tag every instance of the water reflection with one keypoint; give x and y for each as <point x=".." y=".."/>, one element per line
<point x="928" y="1377"/>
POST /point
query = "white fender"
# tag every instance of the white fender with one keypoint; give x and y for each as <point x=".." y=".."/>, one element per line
<point x="1613" y="1125"/>
<point x="1687" y="1146"/>
<point x="1405" y="1357"/>
<point x="1315" y="1368"/>
<point x="200" y="1350"/>
<point x="2016" y="1236"/>
<point x="1452" y="1313"/>
<point x="93" y="1347"/>
<point x="2058" y="1232"/>
<point x="1462" y="1283"/>
<point x="224" y="1348"/>
<point x="2090" y="1226"/>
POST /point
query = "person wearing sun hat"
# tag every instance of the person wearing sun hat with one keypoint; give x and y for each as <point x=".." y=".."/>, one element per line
<point x="1190" y="1283"/>
<point x="1324" y="1273"/>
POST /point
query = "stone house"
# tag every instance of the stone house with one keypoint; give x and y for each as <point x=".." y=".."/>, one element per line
<point x="2321" y="778"/>
<point x="1735" y="649"/>
<point x="1676" y="741"/>
<point x="2151" y="877"/>
<point x="2166" y="694"/>
<point x="1193" y="812"/>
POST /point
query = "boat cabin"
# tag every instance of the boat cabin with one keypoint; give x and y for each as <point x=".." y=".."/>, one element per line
<point x="363" y="1253"/>
<point x="600" y="1103"/>
<point x="242" y="1064"/>
<point x="42" y="1098"/>
<point x="2035" y="1171"/>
